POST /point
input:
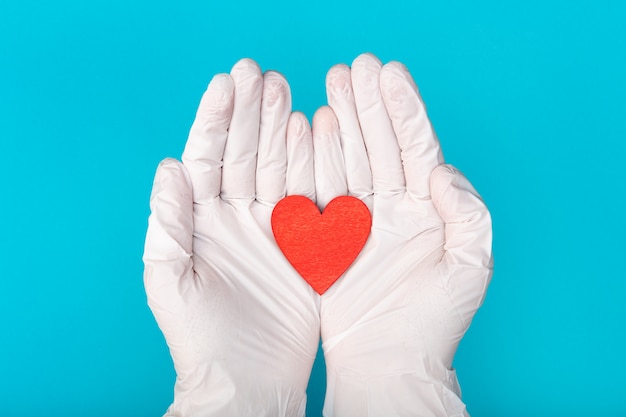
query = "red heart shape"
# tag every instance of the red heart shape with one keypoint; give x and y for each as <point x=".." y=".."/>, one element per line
<point x="321" y="246"/>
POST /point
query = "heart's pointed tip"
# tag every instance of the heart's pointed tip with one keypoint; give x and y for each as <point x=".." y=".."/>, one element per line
<point x="322" y="285"/>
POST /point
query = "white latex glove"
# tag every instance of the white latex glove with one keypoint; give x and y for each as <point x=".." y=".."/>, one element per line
<point x="242" y="327"/>
<point x="392" y="323"/>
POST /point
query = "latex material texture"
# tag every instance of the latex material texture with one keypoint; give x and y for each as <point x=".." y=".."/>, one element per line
<point x="242" y="327"/>
<point x="391" y="325"/>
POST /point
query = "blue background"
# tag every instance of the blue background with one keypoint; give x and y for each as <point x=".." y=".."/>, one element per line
<point x="527" y="97"/>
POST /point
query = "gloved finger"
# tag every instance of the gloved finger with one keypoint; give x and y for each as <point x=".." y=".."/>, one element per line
<point x="341" y="100"/>
<point x="300" y="171"/>
<point x="205" y="146"/>
<point x="380" y="141"/>
<point x="168" y="247"/>
<point x="419" y="145"/>
<point x="468" y="222"/>
<point x="272" y="153"/>
<point x="330" y="172"/>
<point x="238" y="172"/>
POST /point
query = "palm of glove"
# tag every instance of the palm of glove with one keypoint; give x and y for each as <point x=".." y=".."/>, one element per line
<point x="233" y="328"/>
<point x="398" y="315"/>
<point x="395" y="286"/>
<point x="391" y="325"/>
<point x="241" y="326"/>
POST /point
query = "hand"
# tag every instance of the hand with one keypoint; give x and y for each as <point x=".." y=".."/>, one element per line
<point x="391" y="325"/>
<point x="242" y="327"/>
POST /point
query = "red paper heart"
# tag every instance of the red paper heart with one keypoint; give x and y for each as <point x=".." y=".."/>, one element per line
<point x="321" y="246"/>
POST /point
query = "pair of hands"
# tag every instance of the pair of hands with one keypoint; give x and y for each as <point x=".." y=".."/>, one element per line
<point x="241" y="325"/>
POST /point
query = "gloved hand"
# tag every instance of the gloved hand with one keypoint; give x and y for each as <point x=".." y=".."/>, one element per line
<point x="392" y="323"/>
<point x="242" y="327"/>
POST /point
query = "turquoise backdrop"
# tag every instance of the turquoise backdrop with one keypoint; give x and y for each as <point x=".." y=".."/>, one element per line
<point x="528" y="99"/>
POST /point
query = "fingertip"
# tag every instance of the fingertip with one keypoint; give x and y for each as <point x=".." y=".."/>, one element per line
<point x="246" y="66"/>
<point x="298" y="126"/>
<point x="274" y="75"/>
<point x="247" y="76"/>
<point x="325" y="122"/>
<point x="216" y="105"/>
<point x="221" y="82"/>
<point x="275" y="88"/>
<point x="167" y="162"/>
<point x="171" y="175"/>
<point x="365" y="73"/>
<point x="397" y="66"/>
<point x="366" y="59"/>
<point x="338" y="79"/>
<point x="450" y="189"/>
<point x="396" y="81"/>
<point x="440" y="179"/>
<point x="167" y="168"/>
<point x="219" y="93"/>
